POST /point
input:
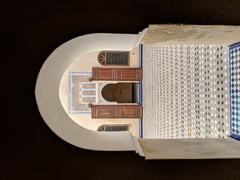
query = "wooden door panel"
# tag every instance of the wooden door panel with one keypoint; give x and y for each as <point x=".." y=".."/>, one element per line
<point x="117" y="74"/>
<point x="116" y="111"/>
<point x="131" y="74"/>
<point x="129" y="111"/>
<point x="103" y="74"/>
<point x="103" y="112"/>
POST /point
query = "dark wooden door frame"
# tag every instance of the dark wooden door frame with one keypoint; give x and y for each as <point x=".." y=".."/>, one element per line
<point x="116" y="74"/>
<point x="116" y="111"/>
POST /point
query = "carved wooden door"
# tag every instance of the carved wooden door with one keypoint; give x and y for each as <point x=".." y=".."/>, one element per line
<point x="116" y="111"/>
<point x="116" y="74"/>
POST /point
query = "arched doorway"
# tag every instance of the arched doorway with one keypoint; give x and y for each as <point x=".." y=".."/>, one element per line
<point x="121" y="92"/>
<point x="114" y="58"/>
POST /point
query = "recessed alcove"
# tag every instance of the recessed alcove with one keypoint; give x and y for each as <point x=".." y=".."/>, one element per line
<point x="120" y="92"/>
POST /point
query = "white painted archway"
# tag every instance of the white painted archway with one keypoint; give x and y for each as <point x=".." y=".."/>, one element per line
<point x="47" y="92"/>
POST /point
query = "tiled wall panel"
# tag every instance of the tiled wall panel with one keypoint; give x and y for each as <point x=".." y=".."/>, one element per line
<point x="234" y="54"/>
<point x="185" y="91"/>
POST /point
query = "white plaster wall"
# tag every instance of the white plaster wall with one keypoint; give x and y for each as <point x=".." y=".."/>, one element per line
<point x="85" y="63"/>
<point x="197" y="148"/>
<point x="47" y="92"/>
<point x="188" y="34"/>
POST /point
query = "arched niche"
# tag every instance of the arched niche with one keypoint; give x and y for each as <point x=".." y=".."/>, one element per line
<point x="120" y="92"/>
<point x="114" y="58"/>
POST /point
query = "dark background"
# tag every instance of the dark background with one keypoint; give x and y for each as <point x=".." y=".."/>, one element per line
<point x="30" y="31"/>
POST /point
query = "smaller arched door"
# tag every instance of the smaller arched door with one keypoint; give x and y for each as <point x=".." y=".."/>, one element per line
<point x="114" y="58"/>
<point x="119" y="92"/>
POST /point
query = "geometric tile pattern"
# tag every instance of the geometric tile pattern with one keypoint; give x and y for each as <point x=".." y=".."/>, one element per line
<point x="81" y="92"/>
<point x="234" y="56"/>
<point x="185" y="91"/>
